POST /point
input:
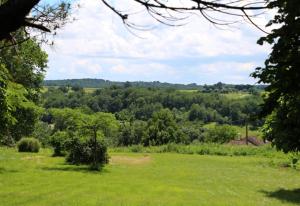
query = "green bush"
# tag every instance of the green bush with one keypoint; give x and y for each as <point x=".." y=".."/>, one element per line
<point x="57" y="141"/>
<point x="220" y="134"/>
<point x="87" y="152"/>
<point x="29" y="145"/>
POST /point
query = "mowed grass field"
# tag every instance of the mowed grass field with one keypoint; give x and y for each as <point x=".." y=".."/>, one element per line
<point x="146" y="179"/>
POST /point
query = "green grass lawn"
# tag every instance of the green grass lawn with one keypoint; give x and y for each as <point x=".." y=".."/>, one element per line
<point x="146" y="179"/>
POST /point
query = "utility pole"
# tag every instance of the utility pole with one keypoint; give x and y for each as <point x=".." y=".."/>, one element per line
<point x="95" y="145"/>
<point x="246" y="123"/>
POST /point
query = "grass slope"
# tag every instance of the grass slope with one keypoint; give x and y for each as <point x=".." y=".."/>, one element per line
<point x="146" y="179"/>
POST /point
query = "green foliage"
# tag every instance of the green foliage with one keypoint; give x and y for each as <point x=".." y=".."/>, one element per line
<point x="281" y="72"/>
<point x="5" y="115"/>
<point x="19" y="113"/>
<point x="29" y="145"/>
<point x="294" y="158"/>
<point x="58" y="141"/>
<point x="142" y="118"/>
<point x="21" y="75"/>
<point x="221" y="134"/>
<point x="162" y="129"/>
<point x="197" y="112"/>
<point x="76" y="120"/>
<point x="194" y="132"/>
<point x="207" y="149"/>
<point x="85" y="151"/>
<point x="42" y="132"/>
<point x="133" y="103"/>
<point x="82" y="136"/>
<point x="66" y="119"/>
<point x="132" y="133"/>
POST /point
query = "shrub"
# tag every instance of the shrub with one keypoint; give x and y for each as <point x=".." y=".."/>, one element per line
<point x="29" y="145"/>
<point x="87" y="152"/>
<point x="221" y="134"/>
<point x="57" y="141"/>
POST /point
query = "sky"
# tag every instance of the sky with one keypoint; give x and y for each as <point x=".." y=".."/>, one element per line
<point x="98" y="45"/>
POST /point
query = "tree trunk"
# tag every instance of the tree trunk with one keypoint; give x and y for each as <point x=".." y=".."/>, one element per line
<point x="13" y="15"/>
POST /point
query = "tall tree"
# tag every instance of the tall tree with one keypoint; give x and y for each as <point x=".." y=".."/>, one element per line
<point x="282" y="73"/>
<point x="21" y="75"/>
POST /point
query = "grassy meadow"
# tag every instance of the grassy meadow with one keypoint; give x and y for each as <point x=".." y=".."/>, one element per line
<point x="28" y="179"/>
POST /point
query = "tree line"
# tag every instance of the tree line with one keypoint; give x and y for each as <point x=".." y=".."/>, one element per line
<point x="101" y="83"/>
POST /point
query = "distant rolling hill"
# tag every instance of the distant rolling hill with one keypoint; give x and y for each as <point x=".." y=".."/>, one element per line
<point x="101" y="83"/>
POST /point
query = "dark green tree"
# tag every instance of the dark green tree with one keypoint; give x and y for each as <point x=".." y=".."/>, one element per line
<point x="282" y="73"/>
<point x="21" y="75"/>
<point x="162" y="129"/>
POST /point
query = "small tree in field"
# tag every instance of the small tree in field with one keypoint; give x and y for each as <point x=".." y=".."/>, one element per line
<point x="82" y="136"/>
<point x="87" y="151"/>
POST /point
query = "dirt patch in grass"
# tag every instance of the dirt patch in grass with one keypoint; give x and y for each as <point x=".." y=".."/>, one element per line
<point x="37" y="159"/>
<point x="128" y="160"/>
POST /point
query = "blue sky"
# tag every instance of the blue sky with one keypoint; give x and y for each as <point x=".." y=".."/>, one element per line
<point x="97" y="45"/>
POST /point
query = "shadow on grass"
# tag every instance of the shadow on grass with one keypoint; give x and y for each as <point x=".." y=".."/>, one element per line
<point x="71" y="168"/>
<point x="292" y="196"/>
<point x="3" y="170"/>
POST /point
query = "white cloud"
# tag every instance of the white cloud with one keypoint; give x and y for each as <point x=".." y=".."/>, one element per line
<point x="98" y="45"/>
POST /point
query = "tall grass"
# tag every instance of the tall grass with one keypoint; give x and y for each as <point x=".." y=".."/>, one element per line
<point x="205" y="149"/>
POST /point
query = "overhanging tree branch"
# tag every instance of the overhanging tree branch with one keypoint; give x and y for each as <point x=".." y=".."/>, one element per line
<point x="29" y="14"/>
<point x="24" y="14"/>
<point x="170" y="12"/>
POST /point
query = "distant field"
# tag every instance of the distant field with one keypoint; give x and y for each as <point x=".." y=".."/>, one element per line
<point x="188" y="90"/>
<point x="146" y="179"/>
<point x="90" y="90"/>
<point x="87" y="90"/>
<point x="232" y="95"/>
<point x="237" y="95"/>
<point x="44" y="89"/>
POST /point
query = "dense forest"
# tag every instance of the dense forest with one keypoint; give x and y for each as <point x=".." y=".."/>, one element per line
<point x="153" y="116"/>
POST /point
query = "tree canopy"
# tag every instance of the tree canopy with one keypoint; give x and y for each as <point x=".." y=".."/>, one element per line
<point x="281" y="72"/>
<point x="21" y="75"/>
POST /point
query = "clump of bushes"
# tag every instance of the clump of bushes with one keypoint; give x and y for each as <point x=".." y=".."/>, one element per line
<point x="220" y="134"/>
<point x="92" y="151"/>
<point x="57" y="141"/>
<point x="28" y="145"/>
<point x="79" y="149"/>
